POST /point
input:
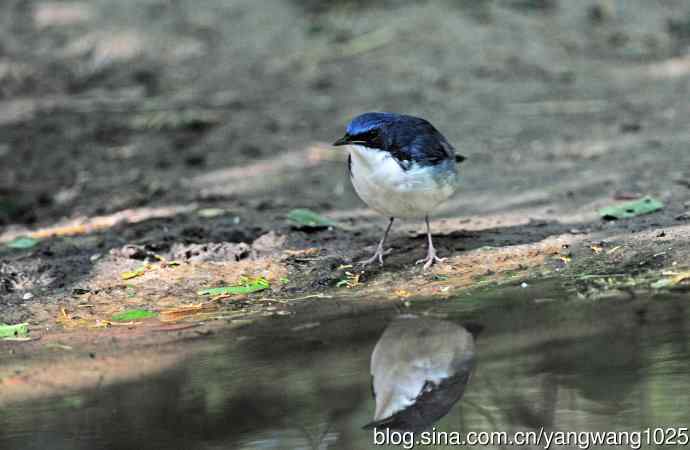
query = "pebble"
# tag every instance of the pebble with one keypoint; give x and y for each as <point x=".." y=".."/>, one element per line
<point x="28" y="296"/>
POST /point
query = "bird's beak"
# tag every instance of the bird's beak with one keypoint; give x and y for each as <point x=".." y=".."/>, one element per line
<point x="342" y="141"/>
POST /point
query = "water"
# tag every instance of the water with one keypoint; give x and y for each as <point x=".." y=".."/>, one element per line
<point x="540" y="360"/>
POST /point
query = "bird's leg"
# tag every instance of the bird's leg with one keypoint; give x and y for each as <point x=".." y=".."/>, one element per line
<point x="431" y="257"/>
<point x="379" y="249"/>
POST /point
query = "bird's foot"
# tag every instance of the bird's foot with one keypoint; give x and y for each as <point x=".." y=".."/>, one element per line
<point x="430" y="259"/>
<point x="380" y="253"/>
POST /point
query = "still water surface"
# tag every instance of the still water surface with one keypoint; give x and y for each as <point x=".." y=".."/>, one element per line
<point x="516" y="360"/>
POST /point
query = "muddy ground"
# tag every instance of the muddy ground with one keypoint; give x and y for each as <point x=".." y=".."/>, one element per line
<point x="145" y="132"/>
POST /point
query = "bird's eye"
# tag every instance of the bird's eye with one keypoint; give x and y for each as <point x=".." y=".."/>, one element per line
<point x="371" y="137"/>
<point x="372" y="134"/>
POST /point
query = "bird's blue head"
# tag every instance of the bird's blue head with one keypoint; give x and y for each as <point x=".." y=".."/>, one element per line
<point x="406" y="138"/>
<point x="375" y="129"/>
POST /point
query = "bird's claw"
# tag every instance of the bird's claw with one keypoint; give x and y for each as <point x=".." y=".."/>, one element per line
<point x="380" y="253"/>
<point x="430" y="260"/>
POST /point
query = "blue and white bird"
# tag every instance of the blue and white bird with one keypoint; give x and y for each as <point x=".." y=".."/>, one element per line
<point x="401" y="166"/>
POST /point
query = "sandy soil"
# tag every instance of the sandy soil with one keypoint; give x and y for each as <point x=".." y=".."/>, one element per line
<point x="135" y="131"/>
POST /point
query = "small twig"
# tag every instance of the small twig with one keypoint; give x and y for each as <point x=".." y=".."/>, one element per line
<point x="310" y="296"/>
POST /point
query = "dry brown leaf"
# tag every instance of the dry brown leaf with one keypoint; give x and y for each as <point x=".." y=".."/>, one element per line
<point x="681" y="277"/>
<point x="183" y="312"/>
<point x="68" y="321"/>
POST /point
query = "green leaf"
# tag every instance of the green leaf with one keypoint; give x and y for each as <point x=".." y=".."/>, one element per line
<point x="23" y="242"/>
<point x="244" y="286"/>
<point x="306" y="218"/>
<point x="133" y="314"/>
<point x="627" y="210"/>
<point x="139" y="271"/>
<point x="14" y="331"/>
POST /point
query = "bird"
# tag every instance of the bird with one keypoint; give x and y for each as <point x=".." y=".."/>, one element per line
<point x="401" y="166"/>
<point x="420" y="368"/>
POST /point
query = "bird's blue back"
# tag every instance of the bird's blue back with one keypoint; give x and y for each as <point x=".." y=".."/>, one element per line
<point x="406" y="138"/>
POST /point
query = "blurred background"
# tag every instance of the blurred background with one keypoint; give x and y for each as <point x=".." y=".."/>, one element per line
<point x="109" y="105"/>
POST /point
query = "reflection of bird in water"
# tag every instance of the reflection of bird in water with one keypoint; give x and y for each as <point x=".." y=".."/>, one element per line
<point x="420" y="368"/>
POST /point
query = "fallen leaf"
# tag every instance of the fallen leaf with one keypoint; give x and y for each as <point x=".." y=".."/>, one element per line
<point x="402" y="293"/>
<point x="133" y="274"/>
<point x="631" y="209"/>
<point x="244" y="286"/>
<point x="133" y="314"/>
<point x="136" y="272"/>
<point x="596" y="249"/>
<point x="681" y="277"/>
<point x="23" y="242"/>
<point x="166" y="263"/>
<point x="350" y="281"/>
<point x="175" y="314"/>
<point x="20" y="330"/>
<point x="308" y="219"/>
<point x="668" y="282"/>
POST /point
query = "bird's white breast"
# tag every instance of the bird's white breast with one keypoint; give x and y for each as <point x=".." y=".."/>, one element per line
<point x="387" y="188"/>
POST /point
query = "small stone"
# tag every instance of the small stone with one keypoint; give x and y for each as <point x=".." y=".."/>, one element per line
<point x="28" y="296"/>
<point x="524" y="285"/>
